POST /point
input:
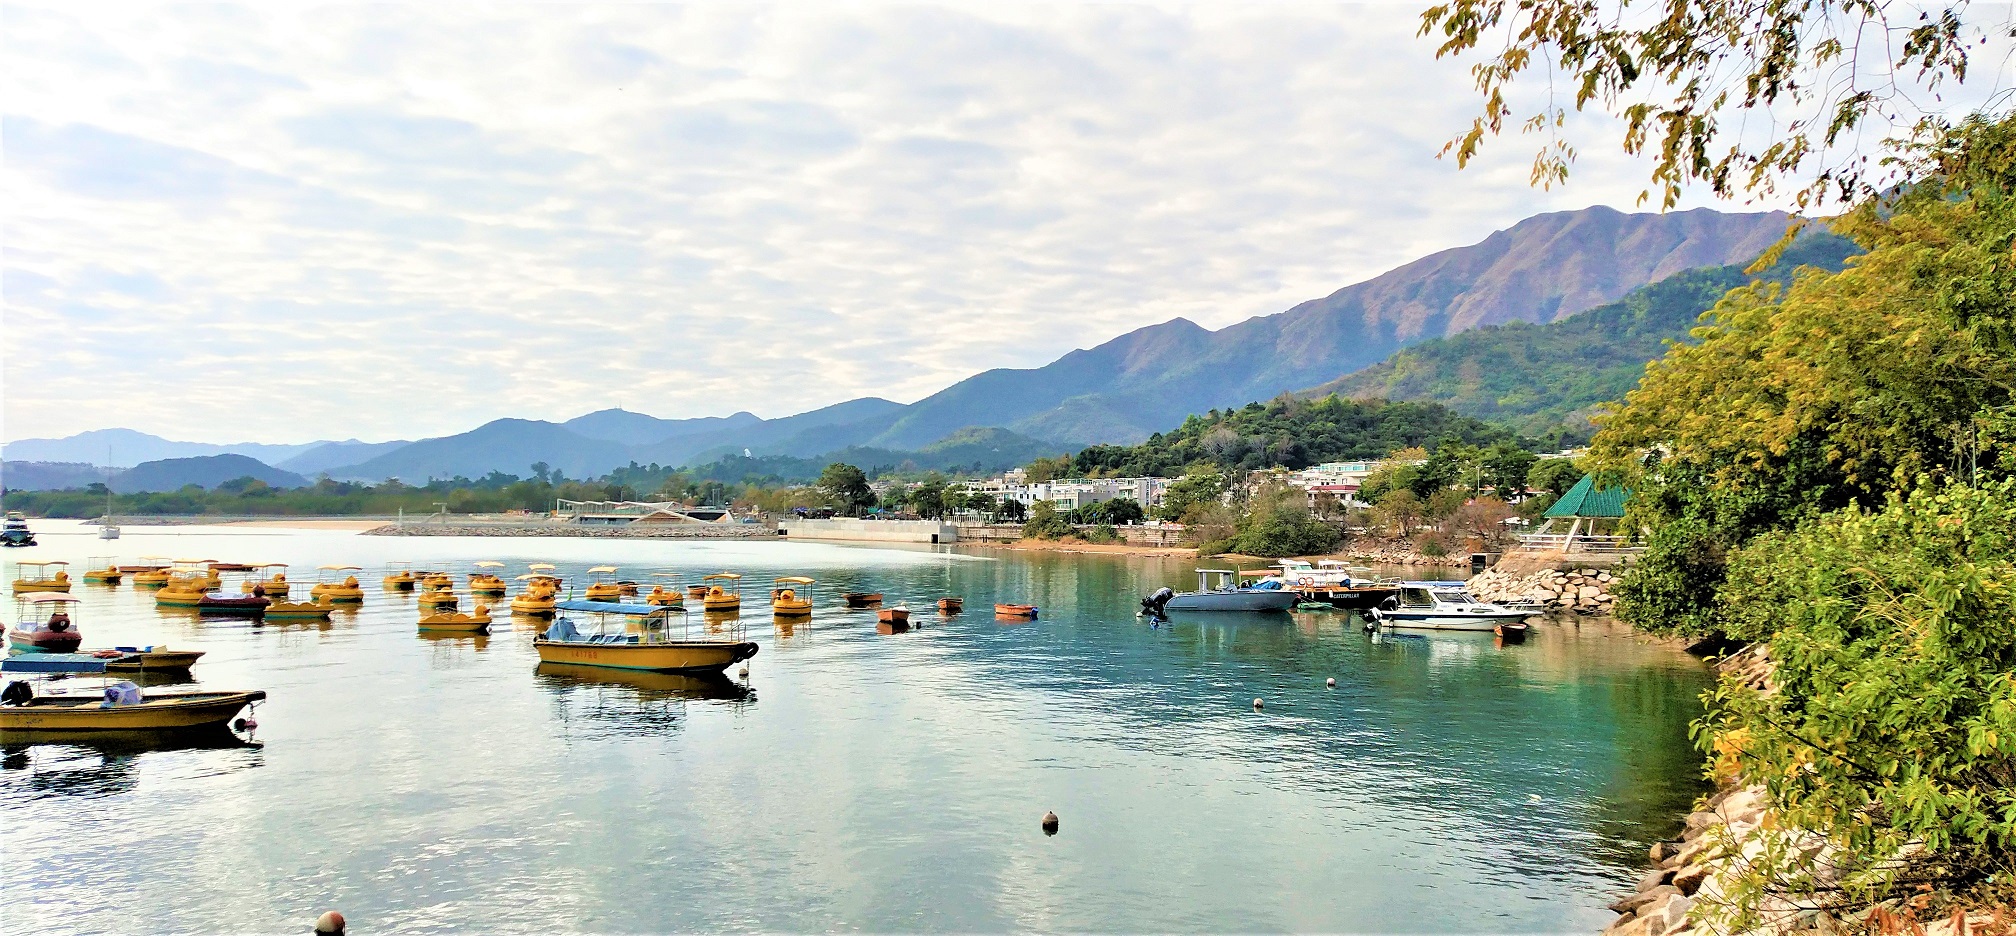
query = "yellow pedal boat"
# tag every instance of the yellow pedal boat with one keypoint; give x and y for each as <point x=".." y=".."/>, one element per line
<point x="317" y="610"/>
<point x="477" y="622"/>
<point x="41" y="577"/>
<point x="724" y="594"/>
<point x="102" y="570"/>
<point x="398" y="576"/>
<point x="271" y="577"/>
<point x="152" y="574"/>
<point x="344" y="590"/>
<point x="792" y="596"/>
<point x="602" y="587"/>
<point x="486" y="582"/>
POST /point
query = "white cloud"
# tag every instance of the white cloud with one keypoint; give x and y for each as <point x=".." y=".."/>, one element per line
<point x="335" y="221"/>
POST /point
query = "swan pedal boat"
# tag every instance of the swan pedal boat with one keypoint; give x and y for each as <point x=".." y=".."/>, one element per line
<point x="792" y="596"/>
<point x="317" y="610"/>
<point x="477" y="622"/>
<point x="41" y="579"/>
<point x="726" y="596"/>
<point x="652" y="647"/>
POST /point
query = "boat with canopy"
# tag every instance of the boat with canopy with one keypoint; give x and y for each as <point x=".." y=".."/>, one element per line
<point x="26" y="714"/>
<point x="338" y="583"/>
<point x="602" y="585"/>
<point x="486" y="582"/>
<point x="791" y="596"/>
<point x="41" y="577"/>
<point x="724" y="591"/>
<point x="43" y="623"/>
<point x="102" y="570"/>
<point x="656" y="638"/>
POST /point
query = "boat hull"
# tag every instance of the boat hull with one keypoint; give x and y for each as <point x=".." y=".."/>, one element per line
<point x="1447" y="620"/>
<point x="163" y="712"/>
<point x="1027" y="612"/>
<point x="1351" y="599"/>
<point x="1257" y="600"/>
<point x="23" y="588"/>
<point x="729" y="603"/>
<point x="671" y="657"/>
<point x="155" y="661"/>
<point x="104" y="576"/>
<point x="45" y="641"/>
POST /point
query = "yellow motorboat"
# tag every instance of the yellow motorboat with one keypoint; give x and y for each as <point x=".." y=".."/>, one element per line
<point x="270" y="579"/>
<point x="540" y="594"/>
<point x="724" y="591"/>
<point x="792" y="596"/>
<point x="163" y="711"/>
<point x="639" y="637"/>
<point x="476" y="622"/>
<point x="151" y="573"/>
<point x="41" y="577"/>
<point x="102" y="570"/>
<point x="602" y="586"/>
<point x="668" y="592"/>
<point x="342" y="591"/>
<point x="398" y="576"/>
<point x="317" y="610"/>
<point x="486" y="582"/>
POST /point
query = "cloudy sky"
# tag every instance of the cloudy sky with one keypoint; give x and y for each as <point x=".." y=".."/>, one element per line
<point x="252" y="224"/>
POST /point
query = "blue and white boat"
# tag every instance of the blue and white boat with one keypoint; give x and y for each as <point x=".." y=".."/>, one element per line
<point x="1443" y="606"/>
<point x="1219" y="590"/>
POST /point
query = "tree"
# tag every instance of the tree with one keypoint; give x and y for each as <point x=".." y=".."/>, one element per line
<point x="1202" y="484"/>
<point x="1676" y="71"/>
<point x="847" y="487"/>
<point x="1553" y="475"/>
<point x="1011" y="510"/>
<point x="1400" y="512"/>
<point x="1046" y="523"/>
<point x="1277" y="523"/>
<point x="1048" y="469"/>
<point x="928" y="499"/>
<point x="543" y="472"/>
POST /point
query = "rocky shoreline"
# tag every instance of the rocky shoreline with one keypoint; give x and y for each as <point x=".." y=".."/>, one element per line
<point x="1582" y="591"/>
<point x="1400" y="553"/>
<point x="694" y="531"/>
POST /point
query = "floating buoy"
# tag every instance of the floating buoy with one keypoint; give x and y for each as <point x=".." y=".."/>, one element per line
<point x="744" y="671"/>
<point x="1257" y="703"/>
<point x="329" y="924"/>
<point x="1331" y="682"/>
<point x="1050" y="823"/>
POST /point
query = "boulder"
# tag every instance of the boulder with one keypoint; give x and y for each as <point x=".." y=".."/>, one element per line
<point x="1642" y="898"/>
<point x="1689" y="878"/>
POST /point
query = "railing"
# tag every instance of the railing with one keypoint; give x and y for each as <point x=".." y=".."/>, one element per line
<point x="1562" y="542"/>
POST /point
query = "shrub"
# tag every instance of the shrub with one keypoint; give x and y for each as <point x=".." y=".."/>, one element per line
<point x="1045" y="523"/>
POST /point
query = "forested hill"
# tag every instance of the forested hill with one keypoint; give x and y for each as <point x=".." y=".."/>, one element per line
<point x="1289" y="432"/>
<point x="1545" y="381"/>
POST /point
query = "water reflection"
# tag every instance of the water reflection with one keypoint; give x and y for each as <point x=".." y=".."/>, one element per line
<point x="97" y="764"/>
<point x="616" y="702"/>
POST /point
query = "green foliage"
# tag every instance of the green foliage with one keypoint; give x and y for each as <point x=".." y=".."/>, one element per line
<point x="1200" y="485"/>
<point x="1046" y="523"/>
<point x="1114" y="512"/>
<point x="1893" y="718"/>
<point x="1277" y="523"/>
<point x="1288" y="433"/>
<point x="1049" y="469"/>
<point x="1548" y="381"/>
<point x="1553" y="475"/>
<point x="847" y="487"/>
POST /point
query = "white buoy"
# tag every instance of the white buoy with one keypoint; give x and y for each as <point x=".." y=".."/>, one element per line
<point x="1050" y="823"/>
<point x="1331" y="682"/>
<point x="1257" y="703"/>
<point x="745" y="671"/>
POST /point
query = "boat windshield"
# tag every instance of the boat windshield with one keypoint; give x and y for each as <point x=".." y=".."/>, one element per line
<point x="1417" y="597"/>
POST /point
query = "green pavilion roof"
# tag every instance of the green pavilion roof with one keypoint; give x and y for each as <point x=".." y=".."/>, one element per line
<point x="1587" y="500"/>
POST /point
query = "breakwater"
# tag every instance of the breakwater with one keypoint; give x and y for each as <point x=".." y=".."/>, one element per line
<point x="632" y="531"/>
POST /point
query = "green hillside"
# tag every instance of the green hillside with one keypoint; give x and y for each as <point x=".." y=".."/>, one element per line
<point x="1545" y="381"/>
<point x="1289" y="432"/>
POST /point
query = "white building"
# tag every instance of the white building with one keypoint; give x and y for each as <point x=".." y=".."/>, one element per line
<point x="1075" y="493"/>
<point x="1342" y="480"/>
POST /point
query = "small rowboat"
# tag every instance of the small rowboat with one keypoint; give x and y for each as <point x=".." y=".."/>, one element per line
<point x="862" y="599"/>
<point x="893" y="616"/>
<point x="951" y="605"/>
<point x="90" y="713"/>
<point x="220" y="603"/>
<point x="152" y="659"/>
<point x="1511" y="632"/>
<point x="1027" y="612"/>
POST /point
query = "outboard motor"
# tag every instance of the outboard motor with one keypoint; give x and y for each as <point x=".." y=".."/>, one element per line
<point x="1151" y="606"/>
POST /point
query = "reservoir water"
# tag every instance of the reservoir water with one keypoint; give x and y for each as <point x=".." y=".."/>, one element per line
<point x="855" y="780"/>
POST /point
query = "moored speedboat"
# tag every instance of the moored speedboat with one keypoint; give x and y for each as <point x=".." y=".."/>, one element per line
<point x="1443" y="606"/>
<point x="1218" y="590"/>
<point x="120" y="708"/>
<point x="647" y="644"/>
<point x="45" y="625"/>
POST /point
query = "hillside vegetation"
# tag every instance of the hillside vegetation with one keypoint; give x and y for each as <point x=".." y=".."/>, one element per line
<point x="1545" y="381"/>
<point x="1291" y="433"/>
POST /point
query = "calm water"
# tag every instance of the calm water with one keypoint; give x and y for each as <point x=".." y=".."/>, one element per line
<point x="859" y="781"/>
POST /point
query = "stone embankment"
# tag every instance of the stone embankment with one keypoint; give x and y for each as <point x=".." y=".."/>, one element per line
<point x="1583" y="591"/>
<point x="1400" y="553"/>
<point x="683" y="531"/>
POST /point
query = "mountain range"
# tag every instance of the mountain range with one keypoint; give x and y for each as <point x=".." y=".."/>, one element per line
<point x="1544" y="269"/>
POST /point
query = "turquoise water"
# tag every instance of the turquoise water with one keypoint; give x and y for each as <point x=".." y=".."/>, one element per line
<point x="855" y="780"/>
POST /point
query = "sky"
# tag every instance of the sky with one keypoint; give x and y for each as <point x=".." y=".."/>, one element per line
<point x="279" y="224"/>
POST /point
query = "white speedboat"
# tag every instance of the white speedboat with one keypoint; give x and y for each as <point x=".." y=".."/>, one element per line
<point x="1225" y="594"/>
<point x="1443" y="606"/>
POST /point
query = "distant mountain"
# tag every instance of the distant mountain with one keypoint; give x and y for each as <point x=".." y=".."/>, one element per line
<point x="508" y="445"/>
<point x="969" y="451"/>
<point x="208" y="471"/>
<point x="805" y="434"/>
<point x="619" y="425"/>
<point x="330" y="455"/>
<point x="48" y="476"/>
<point x="122" y="447"/>
<point x="1547" y="380"/>
<point x="1542" y="269"/>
